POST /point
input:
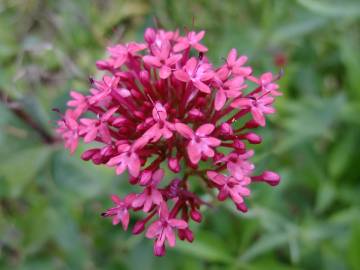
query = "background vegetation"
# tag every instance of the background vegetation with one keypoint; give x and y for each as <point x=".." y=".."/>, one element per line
<point x="50" y="202"/>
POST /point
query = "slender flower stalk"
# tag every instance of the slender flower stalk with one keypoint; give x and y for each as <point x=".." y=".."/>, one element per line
<point x="162" y="105"/>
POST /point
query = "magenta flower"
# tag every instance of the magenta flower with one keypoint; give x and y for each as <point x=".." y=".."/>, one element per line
<point x="162" y="103"/>
<point x="151" y="195"/>
<point x="197" y="73"/>
<point x="200" y="143"/>
<point x="120" y="212"/>
<point x="230" y="186"/>
<point x="163" y="229"/>
<point x="162" y="59"/>
<point x="97" y="127"/>
<point x="191" y="40"/>
<point x="68" y="127"/>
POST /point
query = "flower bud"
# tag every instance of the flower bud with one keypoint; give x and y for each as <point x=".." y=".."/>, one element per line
<point x="226" y="129"/>
<point x="268" y="177"/>
<point x="242" y="207"/>
<point x="145" y="177"/>
<point x="88" y="154"/>
<point x="139" y="227"/>
<point x="174" y="165"/>
<point x="252" y="138"/>
<point x="195" y="215"/>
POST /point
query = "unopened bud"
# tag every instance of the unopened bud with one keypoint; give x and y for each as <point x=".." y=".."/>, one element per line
<point x="174" y="165"/>
<point x="195" y="215"/>
<point x="139" y="227"/>
<point x="252" y="138"/>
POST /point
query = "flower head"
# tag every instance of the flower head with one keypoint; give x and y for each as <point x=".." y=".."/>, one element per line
<point x="162" y="103"/>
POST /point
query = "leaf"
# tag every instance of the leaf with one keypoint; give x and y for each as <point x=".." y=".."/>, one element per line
<point x="297" y="29"/>
<point x="325" y="196"/>
<point x="354" y="246"/>
<point x="332" y="8"/>
<point x="341" y="155"/>
<point x="20" y="168"/>
<point x="264" y="244"/>
<point x="207" y="247"/>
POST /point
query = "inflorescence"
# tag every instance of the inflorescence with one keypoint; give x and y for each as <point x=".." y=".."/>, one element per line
<point x="162" y="106"/>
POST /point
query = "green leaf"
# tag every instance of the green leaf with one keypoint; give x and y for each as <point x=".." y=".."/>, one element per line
<point x="265" y="244"/>
<point x="341" y="155"/>
<point x="326" y="195"/>
<point x="20" y="168"/>
<point x="207" y="247"/>
<point x="332" y="8"/>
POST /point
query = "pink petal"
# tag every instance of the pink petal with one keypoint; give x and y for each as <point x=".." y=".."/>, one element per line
<point x="134" y="165"/>
<point x="120" y="168"/>
<point x="202" y="86"/>
<point x="181" y="75"/>
<point x="116" y="199"/>
<point x="158" y="176"/>
<point x="163" y="211"/>
<point x="231" y="57"/>
<point x="147" y="205"/>
<point x="199" y="47"/>
<point x="152" y="61"/>
<point x="125" y="220"/>
<point x="220" y="99"/>
<point x="184" y="130"/>
<point x="207" y="151"/>
<point x="241" y="103"/>
<point x="194" y="152"/>
<point x="199" y="36"/>
<point x="190" y="65"/>
<point x="156" y="196"/>
<point x="173" y="59"/>
<point x="164" y="72"/>
<point x="216" y="178"/>
<point x="212" y="141"/>
<point x="204" y="130"/>
<point x="170" y="236"/>
<point x="181" y="46"/>
<point x="154" y="229"/>
<point x="90" y="136"/>
<point x="258" y="116"/>
<point x="178" y="223"/>
<point x="139" y="200"/>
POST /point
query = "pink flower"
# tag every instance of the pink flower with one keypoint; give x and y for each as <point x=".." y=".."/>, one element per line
<point x="162" y="128"/>
<point x="200" y="143"/>
<point x="191" y="40"/>
<point x="230" y="186"/>
<point x="197" y="73"/>
<point x="93" y="127"/>
<point x="266" y="82"/>
<point x="104" y="88"/>
<point x="239" y="167"/>
<point x="163" y="230"/>
<point x="162" y="59"/>
<point x="79" y="102"/>
<point x="120" y="212"/>
<point x="258" y="106"/>
<point x="128" y="158"/>
<point x="230" y="89"/>
<point x="151" y="195"/>
<point x="120" y="53"/>
<point x="235" y="65"/>
<point x="163" y="103"/>
<point x="68" y="128"/>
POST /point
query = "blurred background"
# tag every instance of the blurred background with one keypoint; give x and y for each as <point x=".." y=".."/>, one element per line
<point x="50" y="202"/>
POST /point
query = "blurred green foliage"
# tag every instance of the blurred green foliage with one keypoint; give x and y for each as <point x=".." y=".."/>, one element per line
<point x="50" y="201"/>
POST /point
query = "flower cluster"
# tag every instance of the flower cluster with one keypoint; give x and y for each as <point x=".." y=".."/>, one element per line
<point x="162" y="106"/>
